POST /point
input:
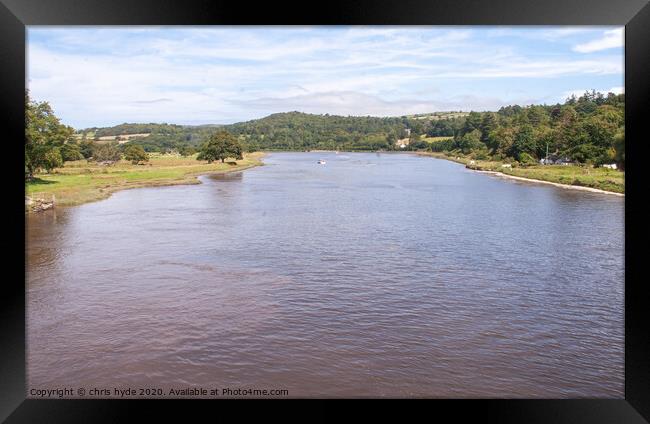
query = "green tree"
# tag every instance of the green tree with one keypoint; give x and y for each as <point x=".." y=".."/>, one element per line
<point x="545" y="137"/>
<point x="567" y="127"/>
<point x="619" y="146"/>
<point x="135" y="154"/>
<point x="86" y="148"/>
<point x="472" y="122"/>
<point x="537" y="115"/>
<point x="524" y="142"/>
<point x="44" y="136"/>
<point x="107" y="152"/>
<point x="186" y="150"/>
<point x="220" y="146"/>
<point x="470" y="141"/>
<point x="417" y="127"/>
<point x="71" y="151"/>
<point x="52" y="159"/>
<point x="501" y="140"/>
<point x="489" y="123"/>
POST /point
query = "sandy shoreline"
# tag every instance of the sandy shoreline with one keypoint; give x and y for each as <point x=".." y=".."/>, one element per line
<point x="530" y="180"/>
<point x="569" y="186"/>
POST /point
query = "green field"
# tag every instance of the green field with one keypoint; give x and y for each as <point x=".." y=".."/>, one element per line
<point x="434" y="139"/>
<point x="599" y="178"/>
<point x="82" y="181"/>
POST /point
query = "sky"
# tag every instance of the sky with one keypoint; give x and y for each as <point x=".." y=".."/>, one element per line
<point x="103" y="76"/>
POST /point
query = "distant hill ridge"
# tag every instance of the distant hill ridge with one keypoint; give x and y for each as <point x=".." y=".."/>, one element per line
<point x="283" y="131"/>
<point x="589" y="128"/>
<point x="138" y="128"/>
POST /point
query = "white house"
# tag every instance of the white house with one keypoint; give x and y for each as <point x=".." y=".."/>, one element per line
<point x="610" y="166"/>
<point x="555" y="160"/>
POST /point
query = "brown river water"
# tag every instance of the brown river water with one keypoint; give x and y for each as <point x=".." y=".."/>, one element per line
<point x="372" y="275"/>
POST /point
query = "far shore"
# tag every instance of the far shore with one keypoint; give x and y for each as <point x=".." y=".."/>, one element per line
<point x="572" y="187"/>
<point x="81" y="182"/>
<point x="559" y="172"/>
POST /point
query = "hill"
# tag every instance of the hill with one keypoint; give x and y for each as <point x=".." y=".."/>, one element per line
<point x="303" y="131"/>
<point x="279" y="131"/>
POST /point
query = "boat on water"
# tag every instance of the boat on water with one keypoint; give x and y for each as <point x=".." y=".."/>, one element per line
<point x="322" y="162"/>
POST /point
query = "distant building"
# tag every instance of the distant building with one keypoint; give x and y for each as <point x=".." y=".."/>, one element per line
<point x="564" y="161"/>
<point x="555" y="160"/>
<point x="610" y="166"/>
<point x="402" y="143"/>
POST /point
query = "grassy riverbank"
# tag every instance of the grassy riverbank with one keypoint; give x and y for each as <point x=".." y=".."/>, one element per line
<point x="82" y="181"/>
<point x="599" y="178"/>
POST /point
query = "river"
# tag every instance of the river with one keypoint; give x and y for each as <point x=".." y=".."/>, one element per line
<point x="372" y="275"/>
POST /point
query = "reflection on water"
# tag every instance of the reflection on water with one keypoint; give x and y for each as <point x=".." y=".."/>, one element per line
<point x="231" y="176"/>
<point x="373" y="275"/>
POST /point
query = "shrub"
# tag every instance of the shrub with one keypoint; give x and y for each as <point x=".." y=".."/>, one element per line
<point x="136" y="154"/>
<point x="108" y="152"/>
<point x="526" y="159"/>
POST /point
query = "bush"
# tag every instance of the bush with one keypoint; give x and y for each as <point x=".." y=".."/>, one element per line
<point x="70" y="152"/>
<point x="108" y="152"/>
<point x="526" y="159"/>
<point x="481" y="154"/>
<point x="186" y="151"/>
<point x="136" y="154"/>
<point x="53" y="159"/>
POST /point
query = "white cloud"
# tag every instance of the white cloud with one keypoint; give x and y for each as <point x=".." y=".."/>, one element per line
<point x="361" y="104"/>
<point x="611" y="39"/>
<point x="221" y="75"/>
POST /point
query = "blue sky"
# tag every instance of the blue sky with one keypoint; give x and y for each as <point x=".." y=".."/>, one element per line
<point x="101" y="76"/>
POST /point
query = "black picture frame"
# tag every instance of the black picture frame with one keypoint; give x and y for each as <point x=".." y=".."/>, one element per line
<point x="15" y="15"/>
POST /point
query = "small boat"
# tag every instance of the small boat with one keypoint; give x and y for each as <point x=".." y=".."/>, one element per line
<point x="322" y="162"/>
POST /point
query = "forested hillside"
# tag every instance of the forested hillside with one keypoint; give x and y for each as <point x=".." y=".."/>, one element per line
<point x="302" y="131"/>
<point x="155" y="137"/>
<point x="280" y="131"/>
<point x="585" y="129"/>
<point x="588" y="129"/>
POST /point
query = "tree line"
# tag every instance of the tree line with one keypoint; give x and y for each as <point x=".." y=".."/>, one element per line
<point x="303" y="131"/>
<point x="585" y="129"/>
<point x="49" y="143"/>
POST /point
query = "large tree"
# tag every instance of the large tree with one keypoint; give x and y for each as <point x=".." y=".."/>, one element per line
<point x="524" y="142"/>
<point x="135" y="154"/>
<point x="107" y="152"/>
<point x="86" y="148"/>
<point x="489" y="123"/>
<point x="44" y="137"/>
<point x="219" y="146"/>
<point x="470" y="141"/>
<point x="619" y="146"/>
<point x="71" y="151"/>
